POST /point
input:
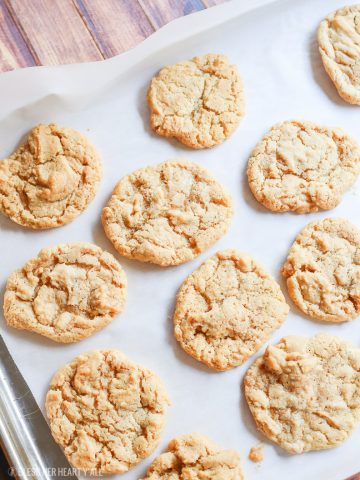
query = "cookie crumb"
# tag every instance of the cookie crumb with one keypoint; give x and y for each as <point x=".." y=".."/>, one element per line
<point x="256" y="454"/>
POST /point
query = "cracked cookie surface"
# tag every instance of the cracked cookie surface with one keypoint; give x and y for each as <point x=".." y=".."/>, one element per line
<point x="339" y="45"/>
<point x="50" y="179"/>
<point x="167" y="213"/>
<point x="66" y="293"/>
<point x="195" y="456"/>
<point x="303" y="167"/>
<point x="227" y="309"/>
<point x="322" y="270"/>
<point x="106" y="412"/>
<point x="304" y="393"/>
<point x="199" y="102"/>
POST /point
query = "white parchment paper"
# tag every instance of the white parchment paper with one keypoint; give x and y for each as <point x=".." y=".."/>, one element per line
<point x="274" y="46"/>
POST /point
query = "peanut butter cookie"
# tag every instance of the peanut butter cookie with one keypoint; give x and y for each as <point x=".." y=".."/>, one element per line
<point x="199" y="102"/>
<point x="50" y="179"/>
<point x="167" y="213"/>
<point x="106" y="411"/>
<point x="66" y="293"/>
<point x="339" y="44"/>
<point x="323" y="270"/>
<point x="304" y="393"/>
<point x="227" y="309"/>
<point x="303" y="167"/>
<point x="195" y="456"/>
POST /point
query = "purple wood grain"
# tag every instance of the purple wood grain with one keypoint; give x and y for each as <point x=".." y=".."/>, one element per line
<point x="50" y="32"/>
<point x="160" y="12"/>
<point x="212" y="3"/>
<point x="115" y="25"/>
<point x="14" y="52"/>
<point x="54" y="31"/>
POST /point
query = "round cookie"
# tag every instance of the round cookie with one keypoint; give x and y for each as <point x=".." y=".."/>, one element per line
<point x="199" y="102"/>
<point x="339" y="45"/>
<point x="303" y="167"/>
<point x="66" y="293"/>
<point x="304" y="393"/>
<point x="50" y="179"/>
<point x="195" y="456"/>
<point x="323" y="270"/>
<point x="167" y="213"/>
<point x="227" y="309"/>
<point x="106" y="412"/>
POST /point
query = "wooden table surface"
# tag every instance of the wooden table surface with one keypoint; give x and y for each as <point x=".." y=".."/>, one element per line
<point x="52" y="32"/>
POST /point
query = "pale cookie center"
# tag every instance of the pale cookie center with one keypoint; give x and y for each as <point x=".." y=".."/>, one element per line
<point x="303" y="159"/>
<point x="66" y="293"/>
<point x="228" y="319"/>
<point x="57" y="178"/>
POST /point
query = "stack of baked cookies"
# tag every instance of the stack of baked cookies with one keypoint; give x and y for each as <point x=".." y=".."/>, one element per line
<point x="304" y="393"/>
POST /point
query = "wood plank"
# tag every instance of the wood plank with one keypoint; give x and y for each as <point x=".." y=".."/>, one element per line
<point x="14" y="52"/>
<point x="54" y="31"/>
<point x="50" y="32"/>
<point x="117" y="25"/>
<point x="161" y="12"/>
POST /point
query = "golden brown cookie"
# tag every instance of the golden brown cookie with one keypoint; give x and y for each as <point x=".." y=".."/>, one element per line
<point x="323" y="270"/>
<point x="195" y="456"/>
<point x="339" y="44"/>
<point x="199" y="102"/>
<point x="167" y="213"/>
<point x="50" y="179"/>
<point x="304" y="393"/>
<point x="66" y="293"/>
<point x="303" y="167"/>
<point x="227" y="309"/>
<point x="106" y="412"/>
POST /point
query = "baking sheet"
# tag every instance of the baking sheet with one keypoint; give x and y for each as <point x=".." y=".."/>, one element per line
<point x="274" y="46"/>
